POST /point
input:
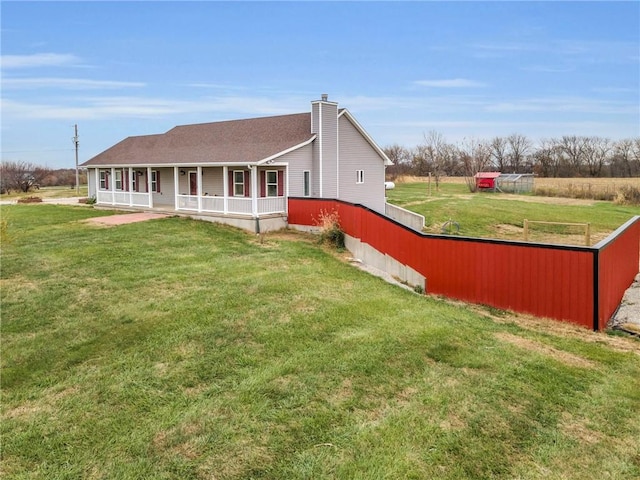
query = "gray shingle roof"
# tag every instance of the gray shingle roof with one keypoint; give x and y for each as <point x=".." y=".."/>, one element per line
<point x="234" y="141"/>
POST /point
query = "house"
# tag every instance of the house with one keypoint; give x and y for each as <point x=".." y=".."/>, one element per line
<point x="242" y="172"/>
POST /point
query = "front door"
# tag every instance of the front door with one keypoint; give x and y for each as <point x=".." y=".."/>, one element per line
<point x="193" y="183"/>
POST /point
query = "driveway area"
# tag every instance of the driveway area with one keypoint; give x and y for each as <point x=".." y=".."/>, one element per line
<point x="114" y="220"/>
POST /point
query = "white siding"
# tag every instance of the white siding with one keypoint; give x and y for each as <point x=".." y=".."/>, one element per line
<point x="299" y="161"/>
<point x="167" y="193"/>
<point x="329" y="141"/>
<point x="91" y="182"/>
<point x="212" y="182"/>
<point x="357" y="154"/>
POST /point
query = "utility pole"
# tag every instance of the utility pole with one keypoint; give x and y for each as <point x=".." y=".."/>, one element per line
<point x="76" y="142"/>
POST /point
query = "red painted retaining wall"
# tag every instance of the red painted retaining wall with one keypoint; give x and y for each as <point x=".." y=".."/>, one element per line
<point x="560" y="282"/>
<point x="618" y="259"/>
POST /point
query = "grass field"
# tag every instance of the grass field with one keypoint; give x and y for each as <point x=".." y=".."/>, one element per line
<point x="178" y="349"/>
<point x="502" y="215"/>
<point x="47" y="192"/>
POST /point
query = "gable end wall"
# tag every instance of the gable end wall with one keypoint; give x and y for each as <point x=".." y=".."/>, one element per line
<point x="357" y="154"/>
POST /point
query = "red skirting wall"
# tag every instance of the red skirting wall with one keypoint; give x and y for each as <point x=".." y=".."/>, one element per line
<point x="618" y="259"/>
<point x="560" y="282"/>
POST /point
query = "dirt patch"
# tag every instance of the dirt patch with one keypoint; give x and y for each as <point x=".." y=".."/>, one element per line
<point x="533" y="346"/>
<point x="115" y="220"/>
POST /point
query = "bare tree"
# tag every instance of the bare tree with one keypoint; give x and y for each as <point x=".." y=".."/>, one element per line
<point x="519" y="147"/>
<point x="595" y="153"/>
<point x="21" y="176"/>
<point x="573" y="148"/>
<point x="475" y="156"/>
<point x="401" y="158"/>
<point x="438" y="153"/>
<point x="499" y="153"/>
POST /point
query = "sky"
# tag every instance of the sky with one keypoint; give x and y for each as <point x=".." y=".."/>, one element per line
<point x="467" y="70"/>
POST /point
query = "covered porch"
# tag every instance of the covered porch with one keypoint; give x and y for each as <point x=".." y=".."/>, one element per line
<point x="251" y="191"/>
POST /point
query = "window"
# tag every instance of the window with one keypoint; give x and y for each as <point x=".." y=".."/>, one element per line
<point x="134" y="181"/>
<point x="118" y="179"/>
<point x="155" y="181"/>
<point x="359" y="176"/>
<point x="104" y="181"/>
<point x="306" y="183"/>
<point x="272" y="183"/>
<point x="238" y="183"/>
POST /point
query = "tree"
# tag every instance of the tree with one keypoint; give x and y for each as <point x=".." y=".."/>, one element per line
<point x="595" y="154"/>
<point x="519" y="146"/>
<point x="475" y="156"/>
<point x="401" y="158"/>
<point x="21" y="176"/>
<point x="625" y="159"/>
<point x="573" y="147"/>
<point x="499" y="153"/>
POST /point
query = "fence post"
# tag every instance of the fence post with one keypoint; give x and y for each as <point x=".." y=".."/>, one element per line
<point x="526" y="230"/>
<point x="587" y="235"/>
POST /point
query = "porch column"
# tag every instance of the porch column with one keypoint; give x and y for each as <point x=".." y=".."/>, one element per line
<point x="97" y="170"/>
<point x="225" y="188"/>
<point x="199" y="174"/>
<point x="131" y="174"/>
<point x="149" y="192"/>
<point x="113" y="186"/>
<point x="176" y="189"/>
<point x="254" y="190"/>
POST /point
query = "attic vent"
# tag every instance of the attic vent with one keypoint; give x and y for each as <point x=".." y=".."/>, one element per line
<point x="325" y="97"/>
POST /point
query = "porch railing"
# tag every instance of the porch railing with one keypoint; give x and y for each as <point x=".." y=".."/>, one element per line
<point x="207" y="204"/>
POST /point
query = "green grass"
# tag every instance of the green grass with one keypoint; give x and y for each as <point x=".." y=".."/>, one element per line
<point x="485" y="215"/>
<point x="183" y="349"/>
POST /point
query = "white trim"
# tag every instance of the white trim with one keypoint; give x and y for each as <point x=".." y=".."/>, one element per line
<point x="233" y="183"/>
<point x="366" y="136"/>
<point x="198" y="186"/>
<point x="253" y="183"/>
<point x="288" y="150"/>
<point x="148" y="184"/>
<point x="266" y="183"/>
<point x="320" y="145"/>
<point x="176" y="187"/>
<point x="303" y="183"/>
<point x="225" y="188"/>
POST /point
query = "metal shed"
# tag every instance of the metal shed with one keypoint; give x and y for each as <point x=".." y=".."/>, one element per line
<point x="515" y="182"/>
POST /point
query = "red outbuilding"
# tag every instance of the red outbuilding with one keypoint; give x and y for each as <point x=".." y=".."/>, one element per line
<point x="487" y="180"/>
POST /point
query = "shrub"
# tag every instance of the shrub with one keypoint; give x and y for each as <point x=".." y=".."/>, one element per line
<point x="30" y="200"/>
<point x="330" y="230"/>
<point x="89" y="200"/>
<point x="628" y="195"/>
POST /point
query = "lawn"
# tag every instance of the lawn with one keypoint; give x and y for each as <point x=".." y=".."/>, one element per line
<point x="180" y="349"/>
<point x="502" y="215"/>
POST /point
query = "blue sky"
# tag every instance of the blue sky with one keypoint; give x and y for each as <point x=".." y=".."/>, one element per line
<point x="464" y="69"/>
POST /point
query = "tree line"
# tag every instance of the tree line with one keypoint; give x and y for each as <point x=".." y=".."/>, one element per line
<point x="26" y="176"/>
<point x="567" y="156"/>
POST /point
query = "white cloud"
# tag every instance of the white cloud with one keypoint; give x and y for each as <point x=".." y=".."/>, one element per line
<point x="66" y="83"/>
<point x="38" y="60"/>
<point x="449" y="83"/>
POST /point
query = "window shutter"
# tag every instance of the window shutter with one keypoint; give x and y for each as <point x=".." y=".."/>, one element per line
<point x="106" y="180"/>
<point x="125" y="175"/>
<point x="158" y="181"/>
<point x="263" y="183"/>
<point x="280" y="183"/>
<point x="231" y="192"/>
<point x="247" y="193"/>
